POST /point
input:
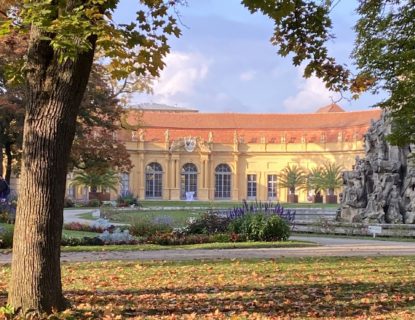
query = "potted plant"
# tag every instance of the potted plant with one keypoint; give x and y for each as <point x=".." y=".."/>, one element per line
<point x="292" y="177"/>
<point x="314" y="183"/>
<point x="331" y="179"/>
<point x="96" y="180"/>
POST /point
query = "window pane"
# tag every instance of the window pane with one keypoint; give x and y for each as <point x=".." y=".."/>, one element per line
<point x="272" y="186"/>
<point x="252" y="186"/>
<point x="154" y="178"/>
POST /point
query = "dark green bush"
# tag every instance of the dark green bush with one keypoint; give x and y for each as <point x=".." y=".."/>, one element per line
<point x="94" y="203"/>
<point x="260" y="227"/>
<point x="166" y="239"/>
<point x="6" y="238"/>
<point x="68" y="203"/>
<point x="85" y="241"/>
<point x="222" y="238"/>
<point x="275" y="229"/>
<point x="127" y="200"/>
<point x="208" y="223"/>
<point x="147" y="227"/>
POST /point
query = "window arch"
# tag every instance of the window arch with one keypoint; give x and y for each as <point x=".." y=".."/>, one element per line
<point x="223" y="181"/>
<point x="189" y="180"/>
<point x="154" y="180"/>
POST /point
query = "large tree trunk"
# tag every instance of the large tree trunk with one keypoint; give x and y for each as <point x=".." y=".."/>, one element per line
<point x="54" y="94"/>
<point x="1" y="160"/>
<point x="9" y="160"/>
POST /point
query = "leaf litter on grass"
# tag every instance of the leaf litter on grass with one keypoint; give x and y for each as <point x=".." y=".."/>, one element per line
<point x="322" y="288"/>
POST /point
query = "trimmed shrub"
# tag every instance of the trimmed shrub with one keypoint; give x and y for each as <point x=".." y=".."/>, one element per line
<point x="147" y="227"/>
<point x="275" y="229"/>
<point x="77" y="226"/>
<point x="169" y="239"/>
<point x="6" y="238"/>
<point x="127" y="200"/>
<point x="208" y="223"/>
<point x="260" y="227"/>
<point x="94" y="203"/>
<point x="85" y="241"/>
<point x="68" y="203"/>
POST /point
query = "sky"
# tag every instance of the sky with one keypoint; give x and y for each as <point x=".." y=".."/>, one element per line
<point x="224" y="62"/>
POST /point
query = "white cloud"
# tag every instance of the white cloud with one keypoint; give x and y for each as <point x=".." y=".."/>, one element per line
<point x="183" y="71"/>
<point x="247" y="75"/>
<point x="312" y="95"/>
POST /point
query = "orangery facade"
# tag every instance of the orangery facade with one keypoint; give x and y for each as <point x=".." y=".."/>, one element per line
<point x="184" y="154"/>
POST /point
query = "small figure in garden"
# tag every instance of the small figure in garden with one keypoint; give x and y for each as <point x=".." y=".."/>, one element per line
<point x="410" y="208"/>
<point x="393" y="215"/>
<point x="374" y="209"/>
<point x="4" y="188"/>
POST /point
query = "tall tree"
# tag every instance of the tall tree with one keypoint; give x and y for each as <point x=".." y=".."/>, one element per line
<point x="384" y="50"/>
<point x="385" y="55"/>
<point x="64" y="36"/>
<point x="98" y="118"/>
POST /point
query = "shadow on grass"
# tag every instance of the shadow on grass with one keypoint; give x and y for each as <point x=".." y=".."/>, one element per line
<point x="304" y="301"/>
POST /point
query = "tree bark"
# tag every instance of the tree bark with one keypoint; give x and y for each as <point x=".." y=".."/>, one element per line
<point x="54" y="93"/>
<point x="9" y="160"/>
<point x="1" y="160"/>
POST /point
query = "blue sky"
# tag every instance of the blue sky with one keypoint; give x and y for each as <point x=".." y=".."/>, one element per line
<point x="224" y="62"/>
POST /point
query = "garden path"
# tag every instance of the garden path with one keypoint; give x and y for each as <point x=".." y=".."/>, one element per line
<point x="71" y="215"/>
<point x="335" y="247"/>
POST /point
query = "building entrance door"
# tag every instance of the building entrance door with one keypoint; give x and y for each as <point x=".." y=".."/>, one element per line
<point x="189" y="181"/>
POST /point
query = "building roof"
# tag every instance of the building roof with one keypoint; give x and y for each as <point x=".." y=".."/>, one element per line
<point x="162" y="107"/>
<point x="330" y="108"/>
<point x="306" y="121"/>
<point x="252" y="128"/>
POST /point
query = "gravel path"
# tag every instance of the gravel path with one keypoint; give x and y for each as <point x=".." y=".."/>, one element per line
<point x="340" y="247"/>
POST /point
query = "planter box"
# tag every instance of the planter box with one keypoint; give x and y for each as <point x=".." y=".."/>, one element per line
<point x="101" y="196"/>
<point x="318" y="199"/>
<point x="292" y="198"/>
<point x="331" y="199"/>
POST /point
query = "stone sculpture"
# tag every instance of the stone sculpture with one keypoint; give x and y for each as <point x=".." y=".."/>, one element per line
<point x="381" y="186"/>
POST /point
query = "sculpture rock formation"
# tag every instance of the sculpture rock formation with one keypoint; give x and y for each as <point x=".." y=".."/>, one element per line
<point x="381" y="186"/>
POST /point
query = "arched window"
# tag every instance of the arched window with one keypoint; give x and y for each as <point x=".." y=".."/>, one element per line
<point x="223" y="181"/>
<point x="154" y="178"/>
<point x="189" y="181"/>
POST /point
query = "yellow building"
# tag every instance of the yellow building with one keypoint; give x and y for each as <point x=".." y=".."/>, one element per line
<point x="179" y="153"/>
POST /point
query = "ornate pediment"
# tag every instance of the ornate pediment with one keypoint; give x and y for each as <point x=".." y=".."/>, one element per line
<point x="190" y="144"/>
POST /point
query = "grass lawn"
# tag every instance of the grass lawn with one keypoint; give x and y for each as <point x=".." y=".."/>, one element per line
<point x="65" y="233"/>
<point x="178" y="218"/>
<point x="86" y="215"/>
<point x="216" y="245"/>
<point x="178" y="213"/>
<point x="78" y="234"/>
<point x="308" y="288"/>
<point x="381" y="238"/>
<point x="225" y="204"/>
